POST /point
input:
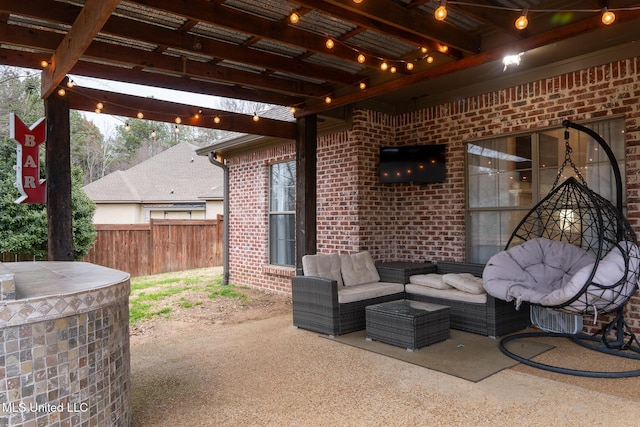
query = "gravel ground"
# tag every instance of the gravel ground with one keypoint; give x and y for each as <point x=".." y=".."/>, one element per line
<point x="257" y="370"/>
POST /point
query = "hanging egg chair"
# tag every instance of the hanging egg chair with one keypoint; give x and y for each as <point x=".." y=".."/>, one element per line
<point x="573" y="253"/>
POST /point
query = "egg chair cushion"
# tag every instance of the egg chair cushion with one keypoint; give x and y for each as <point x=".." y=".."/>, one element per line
<point x="538" y="271"/>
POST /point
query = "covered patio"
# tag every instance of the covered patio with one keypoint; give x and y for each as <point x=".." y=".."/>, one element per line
<point x="354" y="76"/>
<point x="265" y="372"/>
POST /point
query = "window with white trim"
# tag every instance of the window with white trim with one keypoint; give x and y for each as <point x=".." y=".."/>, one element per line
<point x="282" y="210"/>
<point x="508" y="175"/>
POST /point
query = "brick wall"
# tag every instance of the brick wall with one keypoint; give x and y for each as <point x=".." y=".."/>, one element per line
<point x="422" y="222"/>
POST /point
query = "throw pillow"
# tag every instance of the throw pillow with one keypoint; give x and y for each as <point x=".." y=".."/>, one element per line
<point x="358" y="269"/>
<point x="465" y="282"/>
<point x="430" y="280"/>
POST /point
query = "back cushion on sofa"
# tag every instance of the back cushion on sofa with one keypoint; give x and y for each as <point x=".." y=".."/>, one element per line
<point x="358" y="269"/>
<point x="327" y="266"/>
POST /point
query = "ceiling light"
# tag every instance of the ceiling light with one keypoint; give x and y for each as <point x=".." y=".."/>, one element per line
<point x="441" y="12"/>
<point x="522" y="21"/>
<point x="608" y="17"/>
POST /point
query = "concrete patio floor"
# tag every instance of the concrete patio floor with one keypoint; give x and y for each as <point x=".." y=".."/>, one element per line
<point x="267" y="373"/>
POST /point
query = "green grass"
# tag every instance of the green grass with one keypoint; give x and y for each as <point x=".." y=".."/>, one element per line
<point x="148" y="292"/>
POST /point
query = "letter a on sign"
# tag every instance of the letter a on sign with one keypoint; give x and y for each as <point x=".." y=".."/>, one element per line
<point x="32" y="189"/>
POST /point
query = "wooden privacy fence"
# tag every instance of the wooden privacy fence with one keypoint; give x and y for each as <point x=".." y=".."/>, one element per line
<point x="161" y="246"/>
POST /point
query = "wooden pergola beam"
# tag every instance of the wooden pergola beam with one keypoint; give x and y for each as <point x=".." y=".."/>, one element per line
<point x="87" y="25"/>
<point x="85" y="99"/>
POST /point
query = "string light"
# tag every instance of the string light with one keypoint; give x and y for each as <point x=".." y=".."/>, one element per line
<point x="441" y="12"/>
<point x="328" y="100"/>
<point x="330" y="44"/>
<point x="99" y="105"/>
<point x="70" y="83"/>
<point x="294" y="18"/>
<point x="62" y="92"/>
<point x="608" y="17"/>
<point x="357" y="1"/>
<point x="127" y="127"/>
<point x="361" y="58"/>
<point x="140" y="115"/>
<point x="384" y="66"/>
<point x="44" y="64"/>
<point x="292" y="110"/>
<point x="522" y="22"/>
<point x="256" y="117"/>
<point x="409" y="66"/>
<point x="178" y="120"/>
<point x="216" y="120"/>
<point x="363" y="85"/>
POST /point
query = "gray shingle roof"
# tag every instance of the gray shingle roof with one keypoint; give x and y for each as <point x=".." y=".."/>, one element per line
<point x="177" y="174"/>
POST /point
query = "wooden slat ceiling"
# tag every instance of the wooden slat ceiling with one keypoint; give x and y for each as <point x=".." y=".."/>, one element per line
<point x="250" y="50"/>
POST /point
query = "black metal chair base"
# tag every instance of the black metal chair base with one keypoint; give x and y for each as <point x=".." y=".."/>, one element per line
<point x="626" y="345"/>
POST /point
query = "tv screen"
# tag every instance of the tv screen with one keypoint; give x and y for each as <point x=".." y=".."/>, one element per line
<point x="415" y="163"/>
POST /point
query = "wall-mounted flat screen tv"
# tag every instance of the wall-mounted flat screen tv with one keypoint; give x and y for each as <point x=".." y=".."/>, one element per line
<point x="414" y="163"/>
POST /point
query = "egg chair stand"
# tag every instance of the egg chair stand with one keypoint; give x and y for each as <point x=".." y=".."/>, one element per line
<point x="601" y="231"/>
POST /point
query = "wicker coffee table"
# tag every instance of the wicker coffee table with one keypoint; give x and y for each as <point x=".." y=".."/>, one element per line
<point x="409" y="324"/>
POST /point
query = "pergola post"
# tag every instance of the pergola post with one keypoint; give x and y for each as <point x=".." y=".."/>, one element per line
<point x="306" y="150"/>
<point x="58" y="175"/>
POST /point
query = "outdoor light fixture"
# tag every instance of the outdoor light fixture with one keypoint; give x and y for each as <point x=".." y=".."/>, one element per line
<point x="361" y="58"/>
<point x="384" y="66"/>
<point x="441" y="12"/>
<point x="522" y="21"/>
<point x="256" y="117"/>
<point x="409" y="66"/>
<point x="363" y="85"/>
<point x="178" y="120"/>
<point x="328" y="100"/>
<point x="216" y="120"/>
<point x="294" y="18"/>
<point x="608" y="17"/>
<point x="511" y="60"/>
<point x="140" y="115"/>
<point x="329" y="44"/>
<point x="62" y="92"/>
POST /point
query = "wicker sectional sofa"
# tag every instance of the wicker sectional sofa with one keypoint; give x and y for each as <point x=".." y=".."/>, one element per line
<point x="493" y="317"/>
<point x="323" y="304"/>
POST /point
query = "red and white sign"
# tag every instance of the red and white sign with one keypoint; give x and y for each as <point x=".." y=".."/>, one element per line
<point x="32" y="189"/>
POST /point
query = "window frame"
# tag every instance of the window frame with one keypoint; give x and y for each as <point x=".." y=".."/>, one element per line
<point x="288" y="215"/>
<point x="473" y="243"/>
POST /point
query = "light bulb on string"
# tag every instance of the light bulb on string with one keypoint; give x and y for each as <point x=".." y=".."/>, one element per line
<point x="608" y="17"/>
<point x="216" y="120"/>
<point x="522" y="22"/>
<point x="330" y="44"/>
<point x="256" y="117"/>
<point x="409" y="66"/>
<point x="62" y="92"/>
<point x="140" y="115"/>
<point x="361" y="59"/>
<point x="441" y="12"/>
<point x="294" y="18"/>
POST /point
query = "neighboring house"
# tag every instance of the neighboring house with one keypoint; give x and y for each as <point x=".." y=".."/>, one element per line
<point x="467" y="217"/>
<point x="175" y="184"/>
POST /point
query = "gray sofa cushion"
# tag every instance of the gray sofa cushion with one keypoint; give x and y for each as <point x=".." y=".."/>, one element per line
<point x="327" y="266"/>
<point x="367" y="291"/>
<point x="358" y="269"/>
